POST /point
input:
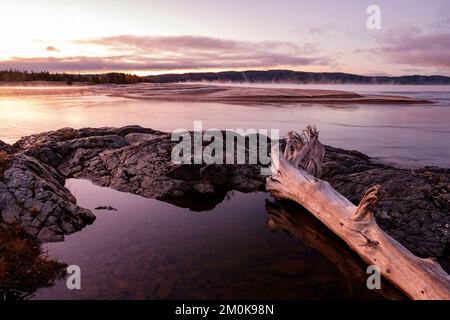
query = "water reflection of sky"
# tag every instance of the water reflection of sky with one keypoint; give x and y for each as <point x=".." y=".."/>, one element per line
<point x="149" y="249"/>
<point x="412" y="135"/>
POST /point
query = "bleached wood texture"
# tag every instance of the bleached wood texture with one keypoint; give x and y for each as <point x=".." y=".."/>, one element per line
<point x="298" y="222"/>
<point x="295" y="178"/>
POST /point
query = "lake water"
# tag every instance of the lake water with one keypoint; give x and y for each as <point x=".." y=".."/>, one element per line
<point x="409" y="135"/>
<point x="149" y="249"/>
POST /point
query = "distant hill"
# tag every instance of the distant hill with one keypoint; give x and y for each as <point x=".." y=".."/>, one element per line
<point x="270" y="76"/>
<point x="13" y="75"/>
<point x="288" y="76"/>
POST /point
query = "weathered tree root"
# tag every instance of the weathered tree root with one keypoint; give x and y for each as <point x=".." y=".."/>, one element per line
<point x="367" y="204"/>
<point x="295" y="178"/>
<point x="305" y="151"/>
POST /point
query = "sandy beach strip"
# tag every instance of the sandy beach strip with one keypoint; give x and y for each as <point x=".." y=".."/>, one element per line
<point x="245" y="95"/>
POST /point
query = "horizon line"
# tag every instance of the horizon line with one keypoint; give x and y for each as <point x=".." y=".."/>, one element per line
<point x="222" y="71"/>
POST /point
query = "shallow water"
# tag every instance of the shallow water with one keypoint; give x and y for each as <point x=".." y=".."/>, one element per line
<point x="149" y="249"/>
<point x="409" y="135"/>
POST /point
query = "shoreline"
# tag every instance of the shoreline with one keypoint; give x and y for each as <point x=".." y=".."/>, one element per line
<point x="44" y="84"/>
<point x="247" y="95"/>
<point x="138" y="160"/>
<point x="220" y="93"/>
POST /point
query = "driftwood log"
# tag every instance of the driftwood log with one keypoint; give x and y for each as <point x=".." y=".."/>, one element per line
<point x="296" y="177"/>
<point x="298" y="222"/>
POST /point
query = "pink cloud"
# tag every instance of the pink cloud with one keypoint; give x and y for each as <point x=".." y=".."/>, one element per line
<point x="148" y="53"/>
<point x="52" y="49"/>
<point x="417" y="49"/>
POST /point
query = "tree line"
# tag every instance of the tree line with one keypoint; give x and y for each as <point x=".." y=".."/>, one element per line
<point x="112" y="77"/>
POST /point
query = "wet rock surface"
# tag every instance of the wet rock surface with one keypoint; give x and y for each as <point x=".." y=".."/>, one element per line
<point x="33" y="195"/>
<point x="415" y="207"/>
<point x="415" y="204"/>
<point x="3" y="145"/>
<point x="138" y="160"/>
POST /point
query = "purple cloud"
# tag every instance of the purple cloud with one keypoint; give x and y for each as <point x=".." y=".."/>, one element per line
<point x="148" y="53"/>
<point x="52" y="49"/>
<point x="417" y="49"/>
<point x="150" y="44"/>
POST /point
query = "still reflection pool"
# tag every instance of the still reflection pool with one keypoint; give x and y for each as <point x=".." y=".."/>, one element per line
<point x="149" y="249"/>
<point x="244" y="248"/>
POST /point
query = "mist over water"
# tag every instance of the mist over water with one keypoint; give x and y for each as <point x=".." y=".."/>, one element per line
<point x="149" y="249"/>
<point x="408" y="135"/>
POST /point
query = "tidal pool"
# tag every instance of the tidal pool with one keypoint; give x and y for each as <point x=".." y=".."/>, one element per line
<point x="149" y="249"/>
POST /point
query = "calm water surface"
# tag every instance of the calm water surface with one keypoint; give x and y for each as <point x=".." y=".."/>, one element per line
<point x="149" y="249"/>
<point x="410" y="135"/>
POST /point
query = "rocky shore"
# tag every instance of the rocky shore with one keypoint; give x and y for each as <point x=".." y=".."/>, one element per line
<point x="415" y="207"/>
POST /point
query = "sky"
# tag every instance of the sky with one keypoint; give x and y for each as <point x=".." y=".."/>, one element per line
<point x="167" y="36"/>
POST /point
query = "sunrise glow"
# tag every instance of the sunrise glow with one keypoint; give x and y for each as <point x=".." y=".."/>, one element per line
<point x="151" y="37"/>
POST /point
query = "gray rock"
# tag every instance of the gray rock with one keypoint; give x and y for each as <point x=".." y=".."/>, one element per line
<point x="30" y="191"/>
<point x="415" y="207"/>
